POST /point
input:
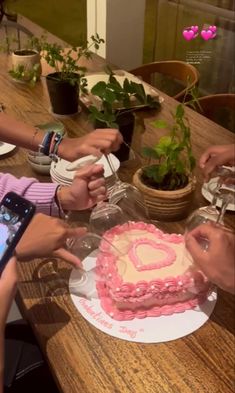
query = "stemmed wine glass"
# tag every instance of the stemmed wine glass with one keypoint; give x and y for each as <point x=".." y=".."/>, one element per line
<point x="128" y="198"/>
<point x="104" y="216"/>
<point x="221" y="195"/>
<point x="83" y="280"/>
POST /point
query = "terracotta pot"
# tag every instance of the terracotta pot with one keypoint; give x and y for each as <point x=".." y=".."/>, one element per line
<point x="166" y="205"/>
<point x="28" y="58"/>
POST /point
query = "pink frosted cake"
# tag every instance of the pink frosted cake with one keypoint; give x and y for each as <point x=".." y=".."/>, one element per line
<point x="153" y="276"/>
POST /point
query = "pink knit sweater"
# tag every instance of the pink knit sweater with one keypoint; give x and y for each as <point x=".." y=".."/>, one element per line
<point x="42" y="194"/>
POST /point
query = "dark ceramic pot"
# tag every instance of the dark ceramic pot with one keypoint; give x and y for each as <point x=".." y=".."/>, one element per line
<point x="63" y="95"/>
<point x="126" y="122"/>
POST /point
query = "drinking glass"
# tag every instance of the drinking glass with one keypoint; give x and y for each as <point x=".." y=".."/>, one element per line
<point x="86" y="248"/>
<point x="221" y="193"/>
<point x="105" y="216"/>
<point x="128" y="198"/>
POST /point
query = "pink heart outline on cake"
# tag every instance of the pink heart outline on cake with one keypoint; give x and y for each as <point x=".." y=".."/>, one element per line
<point x="168" y="260"/>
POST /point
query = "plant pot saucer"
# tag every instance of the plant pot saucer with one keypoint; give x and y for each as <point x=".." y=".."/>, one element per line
<point x="59" y="116"/>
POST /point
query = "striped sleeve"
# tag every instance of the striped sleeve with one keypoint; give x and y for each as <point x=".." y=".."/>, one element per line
<point x="42" y="194"/>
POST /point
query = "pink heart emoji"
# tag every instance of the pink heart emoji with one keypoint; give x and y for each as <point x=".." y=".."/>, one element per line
<point x="194" y="29"/>
<point x="206" y="34"/>
<point x="188" y="34"/>
<point x="213" y="28"/>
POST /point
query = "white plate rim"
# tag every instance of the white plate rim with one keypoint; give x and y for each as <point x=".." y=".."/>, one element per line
<point x="6" y="148"/>
<point x="68" y="175"/>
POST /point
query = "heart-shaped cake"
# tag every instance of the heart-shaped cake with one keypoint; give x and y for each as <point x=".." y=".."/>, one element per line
<point x="152" y="276"/>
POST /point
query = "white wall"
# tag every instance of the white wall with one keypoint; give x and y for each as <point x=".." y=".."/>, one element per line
<point x="121" y="24"/>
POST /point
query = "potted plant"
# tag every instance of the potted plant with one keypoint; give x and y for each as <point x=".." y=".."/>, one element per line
<point x="68" y="77"/>
<point x="26" y="65"/>
<point x="168" y="184"/>
<point x="114" y="104"/>
<point x="26" y="62"/>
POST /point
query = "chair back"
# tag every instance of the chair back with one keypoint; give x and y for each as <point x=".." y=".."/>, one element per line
<point x="15" y="35"/>
<point x="184" y="74"/>
<point x="220" y="108"/>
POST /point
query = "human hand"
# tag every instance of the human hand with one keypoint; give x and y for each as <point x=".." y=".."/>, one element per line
<point x="87" y="189"/>
<point x="8" y="284"/>
<point x="95" y="143"/>
<point x="215" y="156"/>
<point x="217" y="263"/>
<point x="46" y="236"/>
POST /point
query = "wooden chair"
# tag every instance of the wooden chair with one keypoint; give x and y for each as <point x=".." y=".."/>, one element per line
<point x="220" y="108"/>
<point x="183" y="75"/>
<point x="15" y="35"/>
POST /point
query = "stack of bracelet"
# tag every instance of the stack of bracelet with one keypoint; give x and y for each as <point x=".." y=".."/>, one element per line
<point x="50" y="144"/>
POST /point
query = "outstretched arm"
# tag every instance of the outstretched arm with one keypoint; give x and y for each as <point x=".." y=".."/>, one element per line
<point x="87" y="189"/>
<point x="27" y="136"/>
<point x="218" y="262"/>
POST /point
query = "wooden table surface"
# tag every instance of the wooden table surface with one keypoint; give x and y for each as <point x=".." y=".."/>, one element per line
<point x="82" y="358"/>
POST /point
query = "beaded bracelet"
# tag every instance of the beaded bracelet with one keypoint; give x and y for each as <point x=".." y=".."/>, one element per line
<point x="54" y="146"/>
<point x="50" y="143"/>
<point x="44" y="147"/>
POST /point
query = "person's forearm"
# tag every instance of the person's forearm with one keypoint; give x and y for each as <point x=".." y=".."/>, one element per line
<point x="42" y="194"/>
<point x="1" y="359"/>
<point x="19" y="133"/>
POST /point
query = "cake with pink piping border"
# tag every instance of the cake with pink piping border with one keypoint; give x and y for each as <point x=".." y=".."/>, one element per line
<point x="152" y="276"/>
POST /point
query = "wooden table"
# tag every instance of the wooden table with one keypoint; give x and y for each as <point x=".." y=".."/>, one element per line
<point x="82" y="358"/>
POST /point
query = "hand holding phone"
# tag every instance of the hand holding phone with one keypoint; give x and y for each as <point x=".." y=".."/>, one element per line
<point x="16" y="213"/>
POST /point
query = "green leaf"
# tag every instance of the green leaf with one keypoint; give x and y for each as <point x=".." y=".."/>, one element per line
<point x="127" y="86"/>
<point x="160" y="124"/>
<point x="151" y="172"/>
<point x="99" y="89"/>
<point x="180" y="167"/>
<point x="163" y="169"/>
<point x="150" y="152"/>
<point x="165" y="141"/>
<point x="109" y="96"/>
<point x="152" y="102"/>
<point x="161" y="151"/>
<point x="179" y="111"/>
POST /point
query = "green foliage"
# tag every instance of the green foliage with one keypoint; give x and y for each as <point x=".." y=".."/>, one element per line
<point x="173" y="153"/>
<point x="65" y="63"/>
<point x="113" y="95"/>
<point x="22" y="73"/>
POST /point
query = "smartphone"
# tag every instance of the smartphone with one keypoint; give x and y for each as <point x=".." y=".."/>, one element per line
<point x="15" y="215"/>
